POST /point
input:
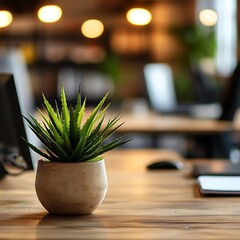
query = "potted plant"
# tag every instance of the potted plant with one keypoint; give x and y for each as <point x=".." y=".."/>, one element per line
<point x="71" y="178"/>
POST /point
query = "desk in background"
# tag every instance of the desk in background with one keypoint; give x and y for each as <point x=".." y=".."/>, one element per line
<point x="139" y="205"/>
<point x="153" y="123"/>
<point x="197" y="137"/>
<point x="150" y="122"/>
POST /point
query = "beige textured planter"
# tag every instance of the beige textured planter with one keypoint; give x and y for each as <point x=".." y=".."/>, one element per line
<point x="71" y="188"/>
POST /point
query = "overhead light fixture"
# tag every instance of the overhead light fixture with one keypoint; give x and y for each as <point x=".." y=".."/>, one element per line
<point x="92" y="28"/>
<point x="5" y="18"/>
<point x="208" y="17"/>
<point x="139" y="16"/>
<point x="49" y="13"/>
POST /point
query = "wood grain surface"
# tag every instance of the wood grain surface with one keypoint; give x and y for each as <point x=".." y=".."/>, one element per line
<point x="154" y="123"/>
<point x="140" y="204"/>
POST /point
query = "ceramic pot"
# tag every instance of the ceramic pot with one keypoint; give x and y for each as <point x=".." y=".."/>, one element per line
<point x="71" y="188"/>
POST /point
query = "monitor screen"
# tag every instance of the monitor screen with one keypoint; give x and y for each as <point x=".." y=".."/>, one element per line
<point x="160" y="86"/>
<point x="12" y="128"/>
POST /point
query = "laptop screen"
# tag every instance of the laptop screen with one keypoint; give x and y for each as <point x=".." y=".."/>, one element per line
<point x="160" y="86"/>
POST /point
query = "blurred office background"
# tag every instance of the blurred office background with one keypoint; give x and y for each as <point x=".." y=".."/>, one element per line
<point x="111" y="55"/>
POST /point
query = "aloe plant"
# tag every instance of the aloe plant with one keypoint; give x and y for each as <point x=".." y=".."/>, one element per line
<point x="67" y="138"/>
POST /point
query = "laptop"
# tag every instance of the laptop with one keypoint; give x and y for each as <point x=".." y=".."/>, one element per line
<point x="162" y="95"/>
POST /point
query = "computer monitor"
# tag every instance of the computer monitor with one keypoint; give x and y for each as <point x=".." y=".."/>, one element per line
<point x="160" y="87"/>
<point x="12" y="128"/>
<point x="13" y="61"/>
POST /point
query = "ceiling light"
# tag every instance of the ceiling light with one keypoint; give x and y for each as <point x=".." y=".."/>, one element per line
<point x="5" y="18"/>
<point x="49" y="13"/>
<point x="208" y="17"/>
<point x="139" y="16"/>
<point x="92" y="28"/>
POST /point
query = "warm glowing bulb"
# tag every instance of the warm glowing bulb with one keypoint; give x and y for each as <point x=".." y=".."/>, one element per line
<point x="92" y="28"/>
<point x="49" y="13"/>
<point x="139" y="16"/>
<point x="5" y="18"/>
<point x="208" y="17"/>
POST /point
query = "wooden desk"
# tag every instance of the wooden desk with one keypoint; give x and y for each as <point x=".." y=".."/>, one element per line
<point x="153" y="123"/>
<point x="139" y="205"/>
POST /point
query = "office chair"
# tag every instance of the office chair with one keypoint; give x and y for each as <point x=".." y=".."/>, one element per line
<point x="231" y="98"/>
<point x="220" y="145"/>
<point x="203" y="86"/>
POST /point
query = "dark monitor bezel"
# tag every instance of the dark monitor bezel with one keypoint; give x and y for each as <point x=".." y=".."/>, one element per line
<point x="14" y="113"/>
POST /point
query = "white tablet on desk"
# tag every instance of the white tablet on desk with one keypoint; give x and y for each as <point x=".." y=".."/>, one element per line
<point x="219" y="184"/>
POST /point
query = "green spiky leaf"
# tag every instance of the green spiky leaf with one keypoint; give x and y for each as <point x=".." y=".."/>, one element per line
<point x="65" y="111"/>
<point x="53" y="116"/>
<point x="74" y="130"/>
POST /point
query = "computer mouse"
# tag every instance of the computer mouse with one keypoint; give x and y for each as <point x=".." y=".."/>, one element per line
<point x="166" y="164"/>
